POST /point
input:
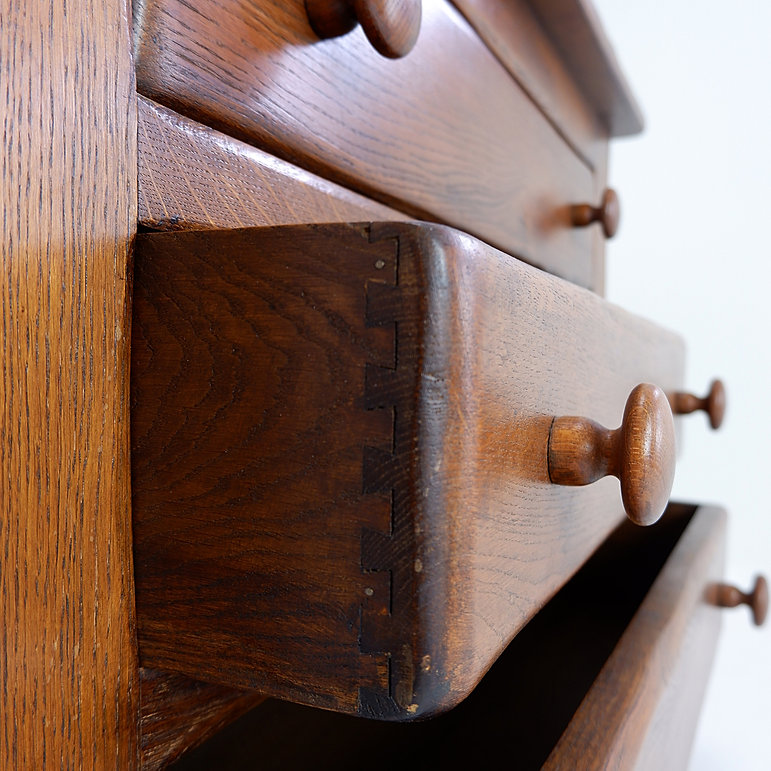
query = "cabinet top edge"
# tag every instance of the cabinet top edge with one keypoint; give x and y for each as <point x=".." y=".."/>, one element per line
<point x="577" y="32"/>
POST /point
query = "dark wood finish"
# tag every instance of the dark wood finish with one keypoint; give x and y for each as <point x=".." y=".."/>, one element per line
<point x="576" y="31"/>
<point x="68" y="667"/>
<point x="444" y="134"/>
<point x="645" y="701"/>
<point x="179" y="713"/>
<point x="192" y="177"/>
<point x="521" y="707"/>
<point x="727" y="596"/>
<point x="641" y="453"/>
<point x="392" y="26"/>
<point x="713" y="404"/>
<point x="292" y="472"/>
<point x="608" y="213"/>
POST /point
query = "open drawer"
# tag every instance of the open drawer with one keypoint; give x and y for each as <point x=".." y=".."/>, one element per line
<point x="345" y="443"/>
<point x="609" y="675"/>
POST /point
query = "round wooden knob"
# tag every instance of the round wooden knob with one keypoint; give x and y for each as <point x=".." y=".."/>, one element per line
<point x="641" y="453"/>
<point x="713" y="403"/>
<point x="608" y="213"/>
<point x="727" y="596"/>
<point x="391" y="26"/>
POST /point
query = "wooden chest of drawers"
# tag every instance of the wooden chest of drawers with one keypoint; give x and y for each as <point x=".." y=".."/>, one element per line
<point x="356" y="465"/>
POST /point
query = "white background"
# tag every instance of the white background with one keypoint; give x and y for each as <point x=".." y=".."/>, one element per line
<point x="694" y="254"/>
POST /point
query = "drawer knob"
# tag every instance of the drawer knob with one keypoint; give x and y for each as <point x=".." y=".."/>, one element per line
<point x="608" y="213"/>
<point x="727" y="596"/>
<point x="713" y="403"/>
<point x="641" y="453"/>
<point x="391" y="26"/>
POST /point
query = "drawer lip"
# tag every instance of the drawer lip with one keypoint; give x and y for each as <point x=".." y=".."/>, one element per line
<point x="469" y="149"/>
<point x="632" y="688"/>
<point x="472" y="551"/>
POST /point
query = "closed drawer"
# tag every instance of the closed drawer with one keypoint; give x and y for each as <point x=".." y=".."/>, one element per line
<point x="609" y="675"/>
<point x="444" y="134"/>
<point x="341" y="455"/>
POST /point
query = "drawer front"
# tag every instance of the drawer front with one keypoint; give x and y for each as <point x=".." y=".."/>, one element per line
<point x="444" y="134"/>
<point x="528" y="699"/>
<point x="339" y="455"/>
<point x="642" y="709"/>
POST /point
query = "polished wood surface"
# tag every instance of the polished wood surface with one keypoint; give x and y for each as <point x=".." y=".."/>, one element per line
<point x="713" y="404"/>
<point x="519" y="40"/>
<point x="641" y="453"/>
<point x="68" y="669"/>
<point x="727" y="596"/>
<point x="648" y="695"/>
<point x="519" y="710"/>
<point x="305" y="390"/>
<point x="577" y="33"/>
<point x="193" y="177"/>
<point x="255" y="339"/>
<point x="178" y="713"/>
<point x="392" y="26"/>
<point x="608" y="213"/>
<point x="444" y="134"/>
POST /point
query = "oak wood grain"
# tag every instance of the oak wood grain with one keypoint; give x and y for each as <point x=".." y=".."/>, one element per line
<point x="191" y="176"/>
<point x="68" y="668"/>
<point x="641" y="453"/>
<point x="518" y="711"/>
<point x="179" y="713"/>
<point x="308" y="501"/>
<point x="445" y="134"/>
<point x="648" y="695"/>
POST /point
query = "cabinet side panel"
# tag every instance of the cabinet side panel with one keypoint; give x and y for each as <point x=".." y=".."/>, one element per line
<point x="68" y="665"/>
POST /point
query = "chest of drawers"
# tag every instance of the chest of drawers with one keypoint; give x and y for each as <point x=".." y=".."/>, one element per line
<point x="369" y="378"/>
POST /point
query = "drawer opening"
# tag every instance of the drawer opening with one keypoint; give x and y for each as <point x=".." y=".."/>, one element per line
<point x="522" y="705"/>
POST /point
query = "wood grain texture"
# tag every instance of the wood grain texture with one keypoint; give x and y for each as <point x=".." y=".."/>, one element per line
<point x="518" y="711"/>
<point x="312" y="475"/>
<point x="306" y="504"/>
<point x="179" y="713"/>
<point x="577" y="33"/>
<point x="648" y="695"/>
<point x="68" y="669"/>
<point x="191" y="176"/>
<point x="641" y="453"/>
<point x="444" y="134"/>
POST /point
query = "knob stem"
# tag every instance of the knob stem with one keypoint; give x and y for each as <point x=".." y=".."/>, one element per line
<point x="391" y="26"/>
<point x="714" y="403"/>
<point x="641" y="453"/>
<point x="727" y="596"/>
<point x="608" y="213"/>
